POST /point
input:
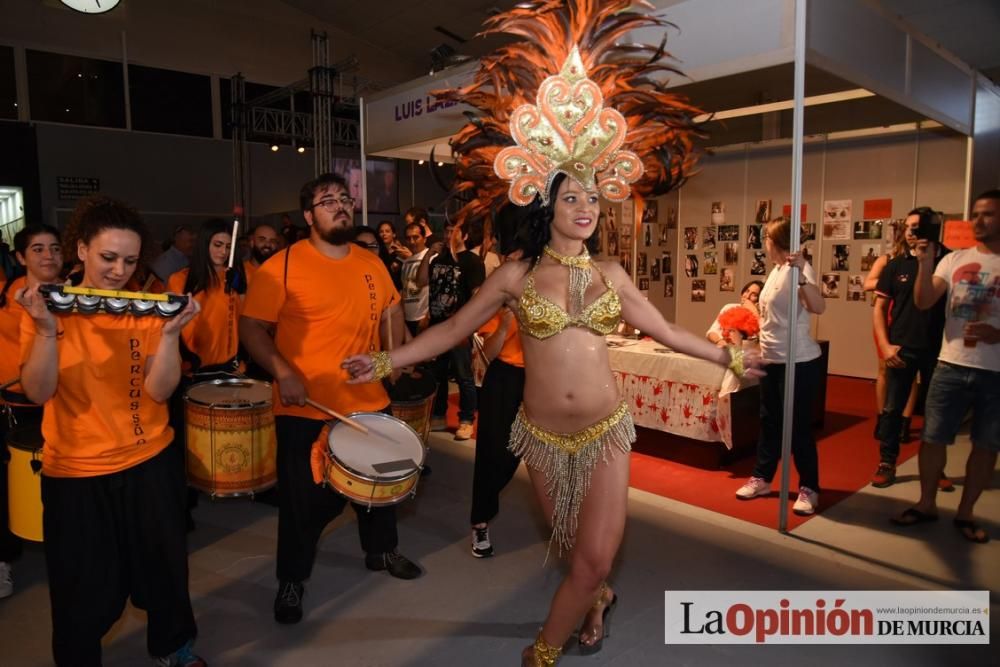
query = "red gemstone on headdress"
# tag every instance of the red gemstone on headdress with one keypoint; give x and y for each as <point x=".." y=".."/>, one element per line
<point x="579" y="166"/>
<point x="593" y="142"/>
<point x="569" y="114"/>
<point x="546" y="141"/>
<point x="524" y="169"/>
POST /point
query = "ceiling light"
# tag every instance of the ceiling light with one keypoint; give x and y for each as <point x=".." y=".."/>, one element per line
<point x="274" y="148"/>
<point x="814" y="100"/>
<point x="301" y="149"/>
<point x="440" y="164"/>
<point x="420" y="161"/>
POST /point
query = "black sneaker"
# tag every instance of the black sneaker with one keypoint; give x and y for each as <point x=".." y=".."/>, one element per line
<point x="394" y="563"/>
<point x="288" y="603"/>
<point x="481" y="546"/>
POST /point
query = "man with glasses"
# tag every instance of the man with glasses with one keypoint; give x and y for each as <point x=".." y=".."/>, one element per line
<point x="415" y="295"/>
<point x="313" y="304"/>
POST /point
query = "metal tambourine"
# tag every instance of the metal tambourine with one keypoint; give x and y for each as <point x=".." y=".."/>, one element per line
<point x="66" y="298"/>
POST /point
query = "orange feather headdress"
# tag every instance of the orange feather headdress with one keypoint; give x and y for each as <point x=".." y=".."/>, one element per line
<point x="571" y="99"/>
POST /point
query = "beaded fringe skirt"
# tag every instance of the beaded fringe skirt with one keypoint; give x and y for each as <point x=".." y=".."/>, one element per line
<point x="567" y="460"/>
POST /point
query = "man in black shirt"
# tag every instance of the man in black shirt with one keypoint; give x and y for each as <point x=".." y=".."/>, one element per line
<point x="454" y="276"/>
<point x="909" y="338"/>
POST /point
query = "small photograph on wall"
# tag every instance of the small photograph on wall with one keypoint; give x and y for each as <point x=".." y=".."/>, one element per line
<point x="668" y="287"/>
<point x="671" y="217"/>
<point x="709" y="237"/>
<point x="626" y="261"/>
<point x="628" y="218"/>
<point x="711" y="265"/>
<point x="647" y="235"/>
<point x="611" y="218"/>
<point x="718" y="213"/>
<point x="598" y="236"/>
<point x="649" y="211"/>
<point x="612" y="249"/>
<point x="667" y="264"/>
<point x="729" y="233"/>
<point x="691" y="266"/>
<point x="641" y="264"/>
<point x="891" y="233"/>
<point x="690" y="238"/>
<point x="755" y="237"/>
<point x="643" y="284"/>
<point x="840" y="261"/>
<point x="807" y="252"/>
<point x="731" y="253"/>
<point x="727" y="280"/>
<point x="867" y="229"/>
<point x="663" y="235"/>
<point x="837" y="219"/>
<point x="808" y="232"/>
<point x="763" y="211"/>
<point x="869" y="253"/>
<point x="856" y="288"/>
<point x="831" y="285"/>
<point x="654" y="270"/>
<point x="698" y="291"/>
<point x="758" y="266"/>
<point x="624" y="242"/>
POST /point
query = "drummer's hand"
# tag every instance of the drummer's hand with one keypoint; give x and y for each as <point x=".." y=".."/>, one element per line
<point x="291" y="389"/>
<point x="174" y="325"/>
<point x="753" y="364"/>
<point x="360" y="367"/>
<point x="34" y="303"/>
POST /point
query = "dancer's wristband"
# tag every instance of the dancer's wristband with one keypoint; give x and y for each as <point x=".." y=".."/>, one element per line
<point x="381" y="365"/>
<point x="736" y="360"/>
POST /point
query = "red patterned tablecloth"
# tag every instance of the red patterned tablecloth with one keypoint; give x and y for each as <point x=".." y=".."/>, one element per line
<point x="674" y="392"/>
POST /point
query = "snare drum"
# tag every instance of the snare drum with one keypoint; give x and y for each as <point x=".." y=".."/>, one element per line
<point x="380" y="468"/>
<point x="24" y="481"/>
<point x="231" y="446"/>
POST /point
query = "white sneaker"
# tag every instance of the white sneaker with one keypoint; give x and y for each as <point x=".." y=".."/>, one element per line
<point x="6" y="581"/>
<point x="481" y="546"/>
<point x="807" y="502"/>
<point x="755" y="486"/>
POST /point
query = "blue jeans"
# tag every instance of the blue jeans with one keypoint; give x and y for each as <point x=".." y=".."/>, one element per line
<point x="898" y="382"/>
<point x="459" y="361"/>
<point x="953" y="391"/>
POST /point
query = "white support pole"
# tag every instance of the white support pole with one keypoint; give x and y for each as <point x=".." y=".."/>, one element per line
<point x="364" y="161"/>
<point x="793" y="276"/>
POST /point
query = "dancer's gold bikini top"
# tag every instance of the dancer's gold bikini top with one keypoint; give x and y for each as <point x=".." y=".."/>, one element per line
<point x="540" y="318"/>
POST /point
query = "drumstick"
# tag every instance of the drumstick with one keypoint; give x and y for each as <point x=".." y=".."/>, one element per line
<point x="336" y="415"/>
<point x="9" y="383"/>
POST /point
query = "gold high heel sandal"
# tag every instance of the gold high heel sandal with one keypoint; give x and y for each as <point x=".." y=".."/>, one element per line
<point x="540" y="654"/>
<point x="605" y="606"/>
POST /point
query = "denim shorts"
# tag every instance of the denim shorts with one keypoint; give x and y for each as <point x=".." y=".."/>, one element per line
<point x="953" y="391"/>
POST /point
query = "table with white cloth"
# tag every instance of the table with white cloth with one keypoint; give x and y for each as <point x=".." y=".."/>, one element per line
<point x="674" y="392"/>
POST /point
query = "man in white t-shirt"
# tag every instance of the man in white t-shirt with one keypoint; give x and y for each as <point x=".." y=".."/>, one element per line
<point x="968" y="371"/>
<point x="415" y="298"/>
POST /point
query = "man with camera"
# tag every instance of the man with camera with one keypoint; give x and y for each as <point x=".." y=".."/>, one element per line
<point x="909" y="338"/>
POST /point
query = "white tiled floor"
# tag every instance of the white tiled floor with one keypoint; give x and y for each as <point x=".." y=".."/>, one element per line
<point x="466" y="611"/>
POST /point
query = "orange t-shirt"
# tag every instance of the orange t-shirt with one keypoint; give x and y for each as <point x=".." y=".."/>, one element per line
<point x="250" y="270"/>
<point x="10" y="336"/>
<point x="330" y="310"/>
<point x="213" y="334"/>
<point x="100" y="420"/>
<point x="511" y="351"/>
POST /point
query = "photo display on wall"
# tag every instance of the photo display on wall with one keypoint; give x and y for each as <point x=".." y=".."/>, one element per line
<point x="869" y="253"/>
<point x="731" y="253"/>
<point x="690" y="238"/>
<point x="671" y="217"/>
<point x="856" y="288"/>
<point x="831" y="285"/>
<point x="758" y="266"/>
<point x="668" y="287"/>
<point x="729" y="233"/>
<point x="654" y="269"/>
<point x="698" y="291"/>
<point x="727" y="280"/>
<point x="649" y="211"/>
<point x="755" y="237"/>
<point x="718" y="213"/>
<point x="647" y="235"/>
<point x="710" y="267"/>
<point x="841" y="258"/>
<point x="641" y="265"/>
<point x="763" y="211"/>
<point x="667" y="264"/>
<point x="808" y="232"/>
<point x="663" y="235"/>
<point x="867" y="230"/>
<point x="708" y="237"/>
<point x="643" y="284"/>
<point x="691" y="266"/>
<point x="837" y="219"/>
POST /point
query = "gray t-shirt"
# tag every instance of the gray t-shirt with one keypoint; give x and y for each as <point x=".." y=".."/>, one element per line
<point x="973" y="279"/>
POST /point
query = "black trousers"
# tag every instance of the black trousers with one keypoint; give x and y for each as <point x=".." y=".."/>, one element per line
<point x="11" y="417"/>
<point x="808" y="375"/>
<point x="109" y="538"/>
<point x="305" y="508"/>
<point x="500" y="397"/>
<point x="898" y="382"/>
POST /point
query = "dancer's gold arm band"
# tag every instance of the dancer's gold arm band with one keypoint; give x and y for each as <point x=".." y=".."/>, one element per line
<point x="381" y="364"/>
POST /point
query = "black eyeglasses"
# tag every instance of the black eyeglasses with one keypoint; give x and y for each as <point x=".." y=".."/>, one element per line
<point x="331" y="204"/>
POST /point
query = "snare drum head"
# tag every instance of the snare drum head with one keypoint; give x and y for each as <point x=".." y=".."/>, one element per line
<point x="391" y="449"/>
<point x="231" y="393"/>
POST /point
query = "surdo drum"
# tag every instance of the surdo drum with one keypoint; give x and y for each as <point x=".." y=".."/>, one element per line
<point x="231" y="446"/>
<point x="24" y="481"/>
<point x="380" y="468"/>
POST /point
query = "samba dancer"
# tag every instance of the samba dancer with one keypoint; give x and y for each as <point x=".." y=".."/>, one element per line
<point x="573" y="431"/>
<point x="38" y="250"/>
<point x="320" y="299"/>
<point x="114" y="506"/>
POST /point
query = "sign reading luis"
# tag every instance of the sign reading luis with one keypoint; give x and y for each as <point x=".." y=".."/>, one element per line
<point x="71" y="188"/>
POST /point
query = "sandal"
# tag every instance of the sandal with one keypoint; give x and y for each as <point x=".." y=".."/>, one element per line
<point x="608" y="607"/>
<point x="913" y="516"/>
<point x="971" y="531"/>
<point x="540" y="654"/>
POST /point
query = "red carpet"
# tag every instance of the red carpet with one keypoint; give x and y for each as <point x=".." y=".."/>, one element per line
<point x="687" y="471"/>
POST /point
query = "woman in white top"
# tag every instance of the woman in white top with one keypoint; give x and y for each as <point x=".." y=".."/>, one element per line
<point x="774" y="323"/>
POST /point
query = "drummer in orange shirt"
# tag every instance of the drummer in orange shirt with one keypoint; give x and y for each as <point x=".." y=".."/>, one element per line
<point x="38" y="250"/>
<point x="313" y="303"/>
<point x="113" y="521"/>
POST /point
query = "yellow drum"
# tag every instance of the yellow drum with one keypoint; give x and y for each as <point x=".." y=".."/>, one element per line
<point x="231" y="446"/>
<point x="24" y="482"/>
<point x="412" y="399"/>
<point x="379" y="468"/>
